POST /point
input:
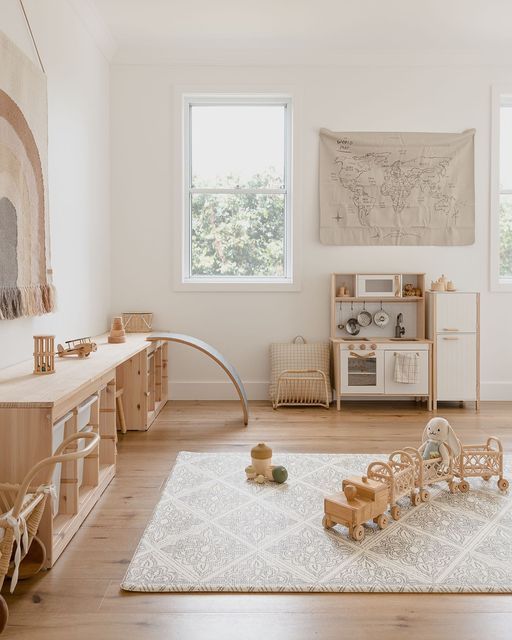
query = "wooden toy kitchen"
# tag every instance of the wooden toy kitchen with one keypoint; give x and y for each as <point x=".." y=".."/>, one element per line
<point x="392" y="338"/>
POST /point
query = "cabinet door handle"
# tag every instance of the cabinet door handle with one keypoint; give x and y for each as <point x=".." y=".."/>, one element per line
<point x="450" y="338"/>
<point x="448" y="329"/>
<point x="357" y="355"/>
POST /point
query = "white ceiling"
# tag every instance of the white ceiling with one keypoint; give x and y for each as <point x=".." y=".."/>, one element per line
<point x="288" y="31"/>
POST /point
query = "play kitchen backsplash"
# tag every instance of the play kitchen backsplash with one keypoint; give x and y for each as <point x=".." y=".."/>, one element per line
<point x="378" y="305"/>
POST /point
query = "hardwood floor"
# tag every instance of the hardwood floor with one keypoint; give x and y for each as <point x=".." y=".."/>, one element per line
<point x="80" y="599"/>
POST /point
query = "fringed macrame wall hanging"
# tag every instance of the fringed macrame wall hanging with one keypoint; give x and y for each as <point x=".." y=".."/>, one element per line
<point x="25" y="272"/>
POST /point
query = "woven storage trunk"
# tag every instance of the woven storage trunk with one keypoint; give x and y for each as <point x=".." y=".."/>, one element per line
<point x="137" y="322"/>
<point x="300" y="374"/>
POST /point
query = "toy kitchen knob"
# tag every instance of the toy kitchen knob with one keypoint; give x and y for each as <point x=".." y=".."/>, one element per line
<point x="373" y="346"/>
<point x="362" y="347"/>
<point x="351" y="347"/>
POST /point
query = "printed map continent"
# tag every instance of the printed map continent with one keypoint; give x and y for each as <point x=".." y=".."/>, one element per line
<point x="416" y="191"/>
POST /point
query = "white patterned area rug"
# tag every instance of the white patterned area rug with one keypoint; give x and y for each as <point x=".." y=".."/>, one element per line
<point x="215" y="531"/>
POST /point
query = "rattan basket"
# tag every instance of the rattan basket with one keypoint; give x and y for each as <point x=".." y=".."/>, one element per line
<point x="21" y="510"/>
<point x="137" y="322"/>
<point x="300" y="374"/>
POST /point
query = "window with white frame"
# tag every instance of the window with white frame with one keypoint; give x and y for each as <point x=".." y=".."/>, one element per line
<point x="501" y="202"/>
<point x="237" y="190"/>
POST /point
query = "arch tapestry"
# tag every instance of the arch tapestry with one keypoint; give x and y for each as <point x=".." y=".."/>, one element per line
<point x="25" y="273"/>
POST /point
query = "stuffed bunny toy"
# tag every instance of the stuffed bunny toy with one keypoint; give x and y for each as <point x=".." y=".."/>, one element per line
<point x="439" y="440"/>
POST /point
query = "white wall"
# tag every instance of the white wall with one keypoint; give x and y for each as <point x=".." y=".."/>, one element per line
<point x="242" y="325"/>
<point x="79" y="173"/>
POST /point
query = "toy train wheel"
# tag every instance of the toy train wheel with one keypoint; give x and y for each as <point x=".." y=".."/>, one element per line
<point x="503" y="484"/>
<point x="4" y="614"/>
<point x="463" y="486"/>
<point x="396" y="512"/>
<point x="415" y="499"/>
<point x="424" y="495"/>
<point x="452" y="486"/>
<point x="382" y="521"/>
<point x="357" y="533"/>
<point x="326" y="522"/>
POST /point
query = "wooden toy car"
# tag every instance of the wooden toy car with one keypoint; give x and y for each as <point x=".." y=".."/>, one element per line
<point x="398" y="475"/>
<point x="475" y="461"/>
<point x="430" y="471"/>
<point x="362" y="499"/>
<point x="81" y="347"/>
<point x="480" y="461"/>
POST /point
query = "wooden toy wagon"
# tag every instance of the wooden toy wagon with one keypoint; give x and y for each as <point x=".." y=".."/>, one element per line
<point x="430" y="471"/>
<point x="480" y="461"/>
<point x="362" y="499"/>
<point x="398" y="474"/>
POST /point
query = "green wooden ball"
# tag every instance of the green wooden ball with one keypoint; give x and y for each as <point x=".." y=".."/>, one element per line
<point x="279" y="474"/>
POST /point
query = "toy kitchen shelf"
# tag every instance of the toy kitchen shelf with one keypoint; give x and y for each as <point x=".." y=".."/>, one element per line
<point x="364" y="364"/>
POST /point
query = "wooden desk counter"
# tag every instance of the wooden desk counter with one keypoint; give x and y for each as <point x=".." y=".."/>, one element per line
<point x="19" y="387"/>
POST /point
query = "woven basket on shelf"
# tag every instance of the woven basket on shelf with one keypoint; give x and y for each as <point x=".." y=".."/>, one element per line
<point x="137" y="322"/>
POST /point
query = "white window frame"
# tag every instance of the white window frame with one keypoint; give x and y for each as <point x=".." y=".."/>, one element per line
<point x="184" y="280"/>
<point x="501" y="94"/>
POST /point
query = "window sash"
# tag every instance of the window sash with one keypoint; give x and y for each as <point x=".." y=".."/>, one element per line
<point x="242" y="190"/>
<point x="188" y="103"/>
<point x="501" y="96"/>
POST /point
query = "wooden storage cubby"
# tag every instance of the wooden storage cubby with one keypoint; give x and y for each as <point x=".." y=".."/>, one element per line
<point x="98" y="469"/>
<point x="143" y="377"/>
<point x="31" y="405"/>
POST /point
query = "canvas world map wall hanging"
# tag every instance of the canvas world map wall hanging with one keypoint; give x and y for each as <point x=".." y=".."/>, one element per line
<point x="397" y="188"/>
<point x="25" y="273"/>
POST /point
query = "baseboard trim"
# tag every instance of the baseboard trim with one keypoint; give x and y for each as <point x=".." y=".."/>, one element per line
<point x="224" y="390"/>
<point x="498" y="391"/>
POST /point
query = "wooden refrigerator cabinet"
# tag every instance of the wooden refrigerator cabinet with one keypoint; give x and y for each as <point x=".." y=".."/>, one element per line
<point x="453" y="325"/>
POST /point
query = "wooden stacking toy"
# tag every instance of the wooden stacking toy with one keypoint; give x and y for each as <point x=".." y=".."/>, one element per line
<point x="117" y="333"/>
<point x="261" y="467"/>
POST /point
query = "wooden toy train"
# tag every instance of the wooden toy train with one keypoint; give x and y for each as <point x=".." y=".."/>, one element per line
<point x="409" y="472"/>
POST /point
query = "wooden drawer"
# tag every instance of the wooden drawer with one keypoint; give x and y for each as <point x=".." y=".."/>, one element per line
<point x="456" y="367"/>
<point x="456" y="313"/>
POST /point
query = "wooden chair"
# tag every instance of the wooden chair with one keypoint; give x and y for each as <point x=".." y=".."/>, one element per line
<point x="21" y="510"/>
